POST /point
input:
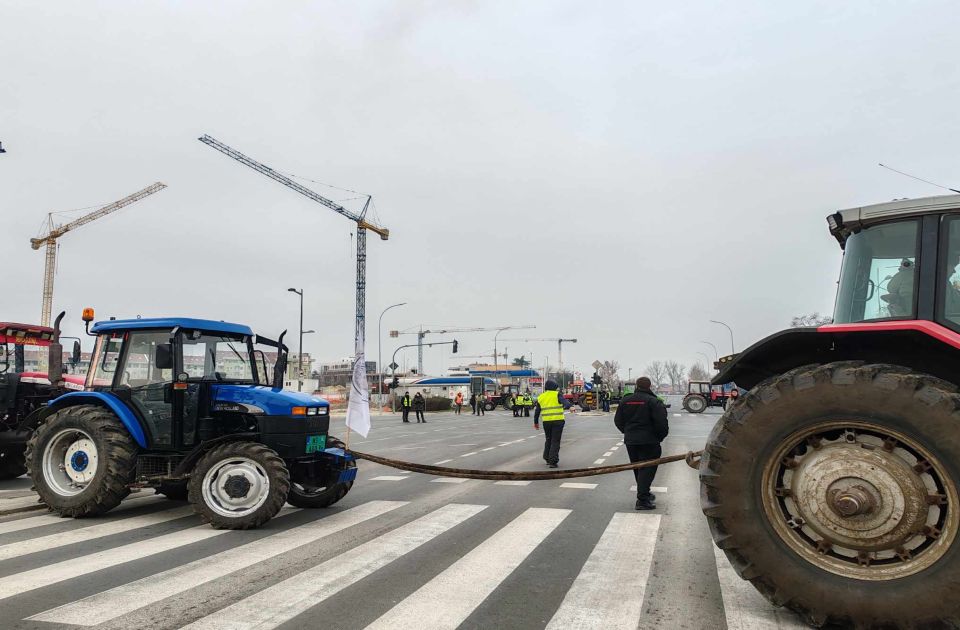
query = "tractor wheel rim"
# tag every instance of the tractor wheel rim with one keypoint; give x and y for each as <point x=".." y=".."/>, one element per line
<point x="70" y="462"/>
<point x="861" y="500"/>
<point x="236" y="487"/>
<point x="696" y="404"/>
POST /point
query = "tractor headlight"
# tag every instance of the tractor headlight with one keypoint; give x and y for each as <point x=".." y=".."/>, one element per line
<point x="312" y="411"/>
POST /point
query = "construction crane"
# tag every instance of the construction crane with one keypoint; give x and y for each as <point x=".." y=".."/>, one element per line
<point x="360" y="219"/>
<point x="423" y="333"/>
<point x="55" y="232"/>
<point x="560" y="343"/>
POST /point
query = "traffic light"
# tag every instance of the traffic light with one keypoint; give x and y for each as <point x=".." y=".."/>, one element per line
<point x="456" y="344"/>
<point x="395" y="384"/>
<point x="596" y="380"/>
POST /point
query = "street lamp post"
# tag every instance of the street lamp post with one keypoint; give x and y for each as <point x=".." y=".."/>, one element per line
<point x="729" y="330"/>
<point x="300" y="351"/>
<point x="717" y="353"/>
<point x="380" y="355"/>
<point x="704" y="356"/>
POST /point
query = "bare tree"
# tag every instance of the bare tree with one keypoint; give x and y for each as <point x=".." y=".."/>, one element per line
<point x="812" y="319"/>
<point x="698" y="373"/>
<point x="657" y="372"/>
<point x="609" y="373"/>
<point x="675" y="372"/>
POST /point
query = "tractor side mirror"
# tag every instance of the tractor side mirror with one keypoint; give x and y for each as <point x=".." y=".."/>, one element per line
<point x="75" y="355"/>
<point x="164" y="357"/>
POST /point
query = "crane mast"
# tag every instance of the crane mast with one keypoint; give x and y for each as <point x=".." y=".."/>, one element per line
<point x="362" y="224"/>
<point x="49" y="241"/>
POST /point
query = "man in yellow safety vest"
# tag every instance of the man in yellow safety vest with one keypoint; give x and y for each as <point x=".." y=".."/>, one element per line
<point x="549" y="410"/>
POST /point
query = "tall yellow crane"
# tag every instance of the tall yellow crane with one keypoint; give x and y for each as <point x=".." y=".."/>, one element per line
<point x="55" y="232"/>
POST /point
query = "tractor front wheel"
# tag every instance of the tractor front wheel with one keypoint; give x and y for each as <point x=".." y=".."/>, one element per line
<point x="834" y="490"/>
<point x="695" y="403"/>
<point x="13" y="461"/>
<point x="304" y="494"/>
<point x="81" y="460"/>
<point x="239" y="485"/>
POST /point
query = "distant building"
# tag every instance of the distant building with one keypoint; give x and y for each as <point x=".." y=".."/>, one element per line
<point x="340" y="373"/>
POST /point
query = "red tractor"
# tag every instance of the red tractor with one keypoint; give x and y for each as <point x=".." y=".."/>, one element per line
<point x="701" y="394"/>
<point x="833" y="484"/>
<point x="23" y="392"/>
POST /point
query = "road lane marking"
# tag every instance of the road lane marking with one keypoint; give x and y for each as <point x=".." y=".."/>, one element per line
<point x="512" y="483"/>
<point x="448" y="599"/>
<point x="469" y="454"/>
<point x="578" y="486"/>
<point x="71" y="569"/>
<point x="618" y="564"/>
<point x="660" y="489"/>
<point x="599" y="461"/>
<point x="448" y="480"/>
<point x="608" y="454"/>
<point x="52" y="519"/>
<point x="744" y="607"/>
<point x="389" y="478"/>
<point x="92" y="531"/>
<point x="487" y="449"/>
<point x="124" y="599"/>
<point x="281" y="602"/>
<point x="442" y="461"/>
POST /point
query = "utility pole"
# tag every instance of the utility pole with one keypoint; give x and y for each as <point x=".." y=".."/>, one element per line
<point x="300" y="351"/>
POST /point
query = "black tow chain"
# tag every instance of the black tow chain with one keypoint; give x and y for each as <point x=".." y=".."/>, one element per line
<point x="692" y="458"/>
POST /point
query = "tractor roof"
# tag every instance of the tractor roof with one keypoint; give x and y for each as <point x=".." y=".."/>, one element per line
<point x="29" y="334"/>
<point x="846" y="222"/>
<point x="206" y="325"/>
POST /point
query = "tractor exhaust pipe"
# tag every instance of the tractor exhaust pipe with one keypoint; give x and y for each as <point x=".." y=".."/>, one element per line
<point x="55" y="359"/>
<point x="280" y="367"/>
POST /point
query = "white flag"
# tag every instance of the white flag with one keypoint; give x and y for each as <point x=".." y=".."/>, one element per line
<point x="358" y="409"/>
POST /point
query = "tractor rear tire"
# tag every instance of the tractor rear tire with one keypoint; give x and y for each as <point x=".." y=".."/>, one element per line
<point x="300" y="496"/>
<point x="82" y="461"/>
<point x="13" y="461"/>
<point x="833" y="489"/>
<point x="239" y="485"/>
<point x="694" y="403"/>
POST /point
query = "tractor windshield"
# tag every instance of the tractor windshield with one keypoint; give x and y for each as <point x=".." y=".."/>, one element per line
<point x="217" y="357"/>
<point x="878" y="276"/>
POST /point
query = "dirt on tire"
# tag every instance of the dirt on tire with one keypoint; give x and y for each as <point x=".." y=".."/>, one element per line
<point x="916" y="405"/>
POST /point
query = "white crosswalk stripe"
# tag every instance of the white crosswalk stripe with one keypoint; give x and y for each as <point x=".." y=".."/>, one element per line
<point x="281" y="602"/>
<point x="448" y="599"/>
<point x="71" y="569"/>
<point x="619" y="563"/>
<point x="119" y="601"/>
<point x="92" y="531"/>
<point x="743" y="607"/>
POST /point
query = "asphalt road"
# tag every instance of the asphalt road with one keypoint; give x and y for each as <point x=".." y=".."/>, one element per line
<point x="402" y="550"/>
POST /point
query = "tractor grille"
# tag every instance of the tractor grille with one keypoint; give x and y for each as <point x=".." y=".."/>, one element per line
<point x="157" y="465"/>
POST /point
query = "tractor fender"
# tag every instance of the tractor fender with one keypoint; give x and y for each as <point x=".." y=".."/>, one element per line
<point x="916" y="344"/>
<point x="103" y="399"/>
<point x="186" y="465"/>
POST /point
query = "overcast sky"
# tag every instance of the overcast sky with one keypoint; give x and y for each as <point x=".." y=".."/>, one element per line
<point x="618" y="172"/>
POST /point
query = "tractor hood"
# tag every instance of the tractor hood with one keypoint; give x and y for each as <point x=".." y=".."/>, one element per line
<point x="272" y="402"/>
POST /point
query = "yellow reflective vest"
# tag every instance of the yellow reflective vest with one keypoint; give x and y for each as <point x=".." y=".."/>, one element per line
<point x="550" y="407"/>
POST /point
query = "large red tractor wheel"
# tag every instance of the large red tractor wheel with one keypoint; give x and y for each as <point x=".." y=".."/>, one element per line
<point x="834" y="490"/>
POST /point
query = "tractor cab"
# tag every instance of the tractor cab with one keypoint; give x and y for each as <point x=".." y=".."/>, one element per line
<point x="195" y="408"/>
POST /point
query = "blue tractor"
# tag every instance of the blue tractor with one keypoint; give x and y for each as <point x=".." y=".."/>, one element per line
<point x="195" y="409"/>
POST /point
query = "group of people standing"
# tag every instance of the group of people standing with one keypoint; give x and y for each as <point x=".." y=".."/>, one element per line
<point x="521" y="404"/>
<point x="418" y="403"/>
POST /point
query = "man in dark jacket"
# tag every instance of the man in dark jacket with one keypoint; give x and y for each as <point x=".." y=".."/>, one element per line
<point x="419" y="406"/>
<point x="642" y="418"/>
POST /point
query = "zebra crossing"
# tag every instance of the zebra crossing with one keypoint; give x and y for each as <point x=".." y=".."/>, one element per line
<point x="607" y="591"/>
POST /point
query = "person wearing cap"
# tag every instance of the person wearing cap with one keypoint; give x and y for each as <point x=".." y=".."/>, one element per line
<point x="405" y="404"/>
<point x="642" y="418"/>
<point x="549" y="409"/>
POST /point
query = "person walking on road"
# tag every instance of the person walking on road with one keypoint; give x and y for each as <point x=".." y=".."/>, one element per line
<point x="458" y="403"/>
<point x="642" y="418"/>
<point x="549" y="410"/>
<point x="419" y="406"/>
<point x="405" y="404"/>
<point x="515" y="403"/>
<point x="527" y="403"/>
<point x="481" y="404"/>
<point x="473" y="403"/>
